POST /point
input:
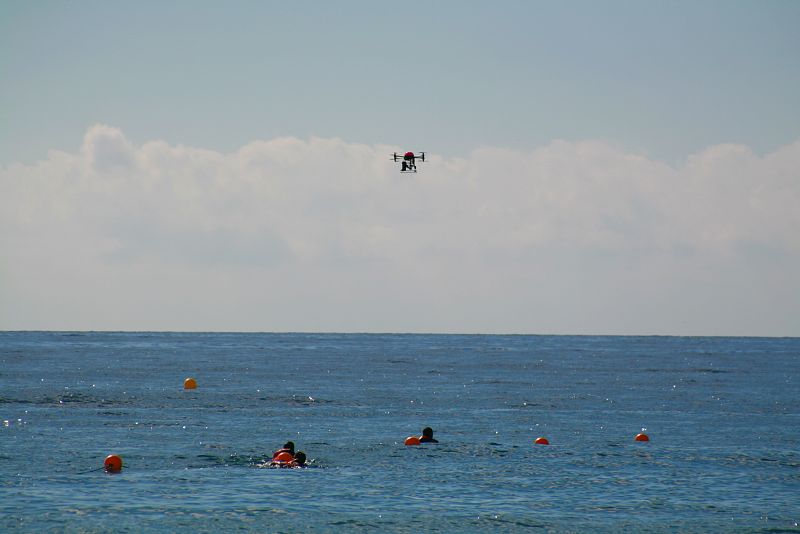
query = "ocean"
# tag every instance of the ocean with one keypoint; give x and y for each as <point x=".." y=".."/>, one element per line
<point x="722" y="414"/>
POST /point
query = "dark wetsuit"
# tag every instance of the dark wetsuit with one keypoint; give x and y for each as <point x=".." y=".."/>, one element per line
<point x="424" y="439"/>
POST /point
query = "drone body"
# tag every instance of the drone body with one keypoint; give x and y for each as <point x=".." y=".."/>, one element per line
<point x="409" y="160"/>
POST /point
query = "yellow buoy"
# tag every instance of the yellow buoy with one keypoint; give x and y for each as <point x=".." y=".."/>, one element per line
<point x="189" y="383"/>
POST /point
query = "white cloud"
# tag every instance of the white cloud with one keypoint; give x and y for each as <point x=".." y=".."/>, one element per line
<point x="321" y="234"/>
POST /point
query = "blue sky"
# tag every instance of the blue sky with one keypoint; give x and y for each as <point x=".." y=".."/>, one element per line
<point x="663" y="78"/>
<point x="618" y="167"/>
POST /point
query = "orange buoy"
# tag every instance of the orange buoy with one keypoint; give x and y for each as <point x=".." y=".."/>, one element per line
<point x="283" y="457"/>
<point x="412" y="440"/>
<point x="189" y="383"/>
<point x="642" y="437"/>
<point x="113" y="463"/>
<point x="542" y="441"/>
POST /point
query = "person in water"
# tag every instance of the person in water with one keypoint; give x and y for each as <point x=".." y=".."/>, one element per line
<point x="427" y="436"/>
<point x="299" y="460"/>
<point x="287" y="447"/>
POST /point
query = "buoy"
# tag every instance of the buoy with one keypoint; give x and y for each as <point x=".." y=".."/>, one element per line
<point x="542" y="441"/>
<point x="412" y="440"/>
<point x="113" y="463"/>
<point x="283" y="457"/>
<point x="642" y="437"/>
<point x="189" y="383"/>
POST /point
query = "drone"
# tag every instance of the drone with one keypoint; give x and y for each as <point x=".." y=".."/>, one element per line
<point x="409" y="163"/>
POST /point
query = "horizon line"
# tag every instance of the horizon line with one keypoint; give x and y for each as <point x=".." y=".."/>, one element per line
<point x="376" y="333"/>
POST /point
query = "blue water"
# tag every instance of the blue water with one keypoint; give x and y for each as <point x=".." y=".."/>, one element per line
<point x="723" y="415"/>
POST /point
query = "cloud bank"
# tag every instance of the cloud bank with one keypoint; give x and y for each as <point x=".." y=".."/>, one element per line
<point x="325" y="235"/>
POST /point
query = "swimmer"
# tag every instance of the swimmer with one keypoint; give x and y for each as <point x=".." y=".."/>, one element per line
<point x="427" y="436"/>
<point x="288" y="447"/>
<point x="299" y="460"/>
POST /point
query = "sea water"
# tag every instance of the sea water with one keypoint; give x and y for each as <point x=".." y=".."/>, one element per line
<point x="722" y="414"/>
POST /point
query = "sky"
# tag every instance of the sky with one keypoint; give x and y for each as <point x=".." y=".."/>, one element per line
<point x="593" y="168"/>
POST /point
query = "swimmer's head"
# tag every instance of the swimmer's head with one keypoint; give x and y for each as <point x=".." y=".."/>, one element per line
<point x="427" y="432"/>
<point x="300" y="458"/>
<point x="289" y="445"/>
